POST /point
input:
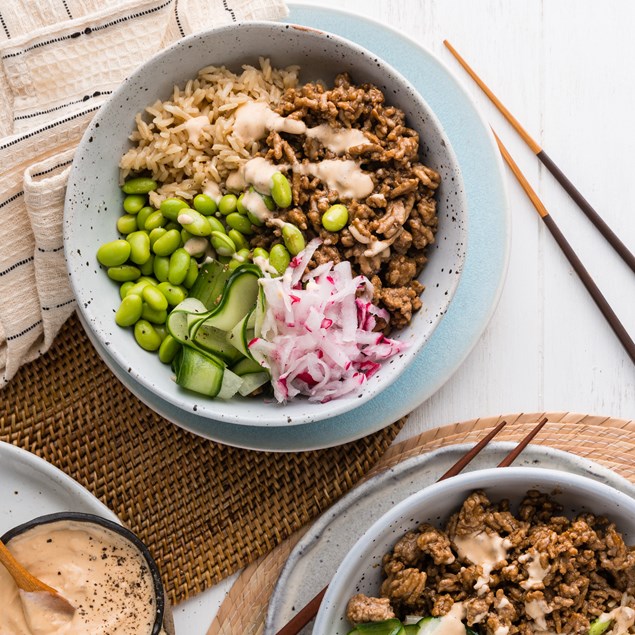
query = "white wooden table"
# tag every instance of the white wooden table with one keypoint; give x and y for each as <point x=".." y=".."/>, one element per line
<point x="566" y="69"/>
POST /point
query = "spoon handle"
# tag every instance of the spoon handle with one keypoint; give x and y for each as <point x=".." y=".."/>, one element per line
<point x="22" y="577"/>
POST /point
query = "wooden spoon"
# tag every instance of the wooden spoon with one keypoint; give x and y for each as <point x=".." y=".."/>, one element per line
<point x="30" y="584"/>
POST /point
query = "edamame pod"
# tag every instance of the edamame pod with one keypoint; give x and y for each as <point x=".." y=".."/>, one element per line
<point x="179" y="266"/>
<point x="123" y="273"/>
<point x="129" y="310"/>
<point x="139" y="185"/>
<point x="146" y="336"/>
<point x="127" y="224"/>
<point x="168" y="243"/>
<point x="114" y="253"/>
<point x="281" y="190"/>
<point x="293" y="239"/>
<point x="139" y="247"/>
<point x="279" y="258"/>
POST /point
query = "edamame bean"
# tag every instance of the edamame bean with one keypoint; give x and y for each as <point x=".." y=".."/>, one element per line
<point x="279" y="258"/>
<point x="281" y="190"/>
<point x="240" y="208"/>
<point x="254" y="219"/>
<point x="147" y="268"/>
<point x="168" y="243"/>
<point x="129" y="310"/>
<point x="161" y="268"/>
<point x="155" y="234"/>
<point x="155" y="299"/>
<point x="138" y="287"/>
<point x="239" y="223"/>
<point x="223" y="244"/>
<point x="172" y="225"/>
<point x="173" y="294"/>
<point x="179" y="266"/>
<point x="185" y="236"/>
<point x="161" y="330"/>
<point x="204" y="204"/>
<point x="216" y="225"/>
<point x="227" y="204"/>
<point x="123" y="273"/>
<point x="238" y="259"/>
<point x="146" y="336"/>
<point x="194" y="222"/>
<point x="149" y="280"/>
<point x="154" y="221"/>
<point x="133" y="203"/>
<point x="293" y="239"/>
<point x="152" y="315"/>
<point x="139" y="185"/>
<point x="127" y="224"/>
<point x="240" y="242"/>
<point x="139" y="247"/>
<point x="168" y="349"/>
<point x="335" y="218"/>
<point x="123" y="289"/>
<point x="143" y="214"/>
<point x="114" y="253"/>
<point x="171" y="207"/>
<point x="259" y="252"/>
<point x="192" y="274"/>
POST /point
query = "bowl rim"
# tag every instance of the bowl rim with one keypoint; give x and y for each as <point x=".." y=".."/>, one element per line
<point x="124" y="532"/>
<point x="269" y="415"/>
<point x="476" y="479"/>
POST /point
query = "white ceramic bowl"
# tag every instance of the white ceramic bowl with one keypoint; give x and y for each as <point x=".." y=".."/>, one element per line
<point x="361" y="572"/>
<point x="93" y="203"/>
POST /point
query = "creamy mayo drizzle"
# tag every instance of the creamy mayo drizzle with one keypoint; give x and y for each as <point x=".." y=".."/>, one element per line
<point x="254" y="203"/>
<point x="100" y="573"/>
<point x="195" y="126"/>
<point x="485" y="550"/>
<point x="212" y="189"/>
<point x="344" y="176"/>
<point x="623" y="618"/>
<point x="184" y="218"/>
<point x="502" y="630"/>
<point x="450" y="623"/>
<point x="255" y="118"/>
<point x="376" y="247"/>
<point x="258" y="172"/>
<point x="537" y="610"/>
<point x="536" y="574"/>
<point x="196" y="246"/>
<point x="337" y="140"/>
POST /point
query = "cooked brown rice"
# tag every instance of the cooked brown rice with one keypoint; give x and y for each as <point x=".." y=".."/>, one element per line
<point x="183" y="166"/>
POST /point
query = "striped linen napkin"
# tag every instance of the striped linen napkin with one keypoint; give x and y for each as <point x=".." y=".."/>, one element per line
<point x="60" y="59"/>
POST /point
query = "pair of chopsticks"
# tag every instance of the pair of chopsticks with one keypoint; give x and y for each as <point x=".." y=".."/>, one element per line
<point x="583" y="204"/>
<point x="308" y="612"/>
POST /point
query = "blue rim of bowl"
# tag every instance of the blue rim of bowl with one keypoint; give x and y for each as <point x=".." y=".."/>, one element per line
<point x="494" y="198"/>
<point x="122" y="531"/>
<point x="277" y="418"/>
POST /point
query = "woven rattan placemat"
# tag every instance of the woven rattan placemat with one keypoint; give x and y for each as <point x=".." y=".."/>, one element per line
<point x="610" y="442"/>
<point x="204" y="509"/>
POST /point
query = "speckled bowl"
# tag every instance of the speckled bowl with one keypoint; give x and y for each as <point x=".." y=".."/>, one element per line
<point x="361" y="571"/>
<point x="93" y="204"/>
<point x="163" y="622"/>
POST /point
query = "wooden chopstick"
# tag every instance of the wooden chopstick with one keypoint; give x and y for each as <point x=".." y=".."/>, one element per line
<point x="572" y="257"/>
<point x="309" y="611"/>
<point x="573" y="192"/>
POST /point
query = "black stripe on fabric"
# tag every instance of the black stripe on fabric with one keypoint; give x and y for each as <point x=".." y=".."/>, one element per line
<point x="15" y="265"/>
<point x="230" y="10"/>
<point x="5" y="27"/>
<point x="24" y="331"/>
<point x="58" y="306"/>
<point x="88" y="30"/>
<point x="49" y="126"/>
<point x="55" y="167"/>
<point x="68" y="11"/>
<point x="178" y="20"/>
<point x="97" y="93"/>
<point x="50" y="251"/>
<point x="12" y="198"/>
